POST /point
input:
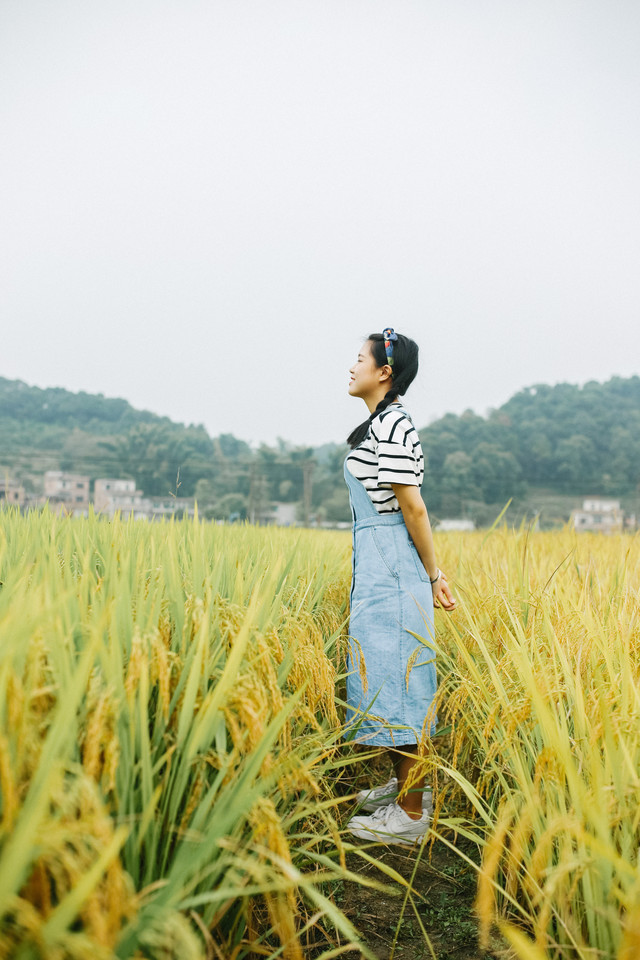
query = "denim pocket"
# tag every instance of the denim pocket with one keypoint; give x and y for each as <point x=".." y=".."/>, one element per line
<point x="422" y="573"/>
<point x="384" y="543"/>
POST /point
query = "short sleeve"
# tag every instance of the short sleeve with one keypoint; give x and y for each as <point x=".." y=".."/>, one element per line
<point x="397" y="462"/>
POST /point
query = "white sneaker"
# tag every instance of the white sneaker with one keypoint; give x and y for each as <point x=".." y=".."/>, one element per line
<point x="371" y="800"/>
<point x="390" y="824"/>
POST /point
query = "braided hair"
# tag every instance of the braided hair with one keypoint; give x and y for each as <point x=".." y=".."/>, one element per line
<point x="405" y="368"/>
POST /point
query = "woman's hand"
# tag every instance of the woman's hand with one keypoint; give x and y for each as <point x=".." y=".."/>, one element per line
<point x="442" y="596"/>
<point x="416" y="519"/>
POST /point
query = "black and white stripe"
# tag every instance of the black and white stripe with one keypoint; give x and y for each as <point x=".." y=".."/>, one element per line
<point x="390" y="453"/>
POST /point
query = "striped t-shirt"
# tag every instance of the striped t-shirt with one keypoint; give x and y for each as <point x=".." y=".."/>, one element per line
<point x="390" y="453"/>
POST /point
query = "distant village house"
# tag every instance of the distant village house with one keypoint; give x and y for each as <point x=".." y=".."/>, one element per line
<point x="283" y="514"/>
<point x="116" y="495"/>
<point x="599" y="516"/>
<point x="111" y="496"/>
<point x="11" y="493"/>
<point x="67" y="490"/>
<point x="454" y="524"/>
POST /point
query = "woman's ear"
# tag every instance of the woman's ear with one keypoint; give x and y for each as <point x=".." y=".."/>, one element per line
<point x="385" y="372"/>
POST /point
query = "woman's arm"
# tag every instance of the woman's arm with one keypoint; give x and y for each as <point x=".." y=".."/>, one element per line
<point x="416" y="519"/>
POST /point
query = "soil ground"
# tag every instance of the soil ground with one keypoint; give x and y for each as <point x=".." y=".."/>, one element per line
<point x="445" y="887"/>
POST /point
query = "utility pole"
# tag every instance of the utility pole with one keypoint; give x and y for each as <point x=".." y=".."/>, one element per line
<point x="257" y="494"/>
<point x="252" y="492"/>
<point x="307" y="488"/>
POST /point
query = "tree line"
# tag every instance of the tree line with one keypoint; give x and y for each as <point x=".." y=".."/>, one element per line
<point x="564" y="438"/>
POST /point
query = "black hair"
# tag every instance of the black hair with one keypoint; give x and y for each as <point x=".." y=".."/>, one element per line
<point x="404" y="370"/>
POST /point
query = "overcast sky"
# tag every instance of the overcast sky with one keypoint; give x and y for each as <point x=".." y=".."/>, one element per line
<point x="205" y="206"/>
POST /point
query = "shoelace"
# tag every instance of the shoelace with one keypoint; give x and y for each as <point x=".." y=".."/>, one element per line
<point x="389" y="787"/>
<point x="383" y="813"/>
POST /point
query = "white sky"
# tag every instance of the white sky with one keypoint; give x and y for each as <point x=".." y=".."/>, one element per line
<point x="204" y="206"/>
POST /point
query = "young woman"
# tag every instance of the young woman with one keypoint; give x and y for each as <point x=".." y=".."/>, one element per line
<point x="396" y="581"/>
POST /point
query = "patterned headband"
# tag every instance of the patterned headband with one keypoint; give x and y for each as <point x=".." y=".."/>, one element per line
<point x="389" y="335"/>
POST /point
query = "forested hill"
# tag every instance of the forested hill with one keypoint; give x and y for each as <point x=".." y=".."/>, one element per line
<point x="42" y="429"/>
<point x="39" y="409"/>
<point x="564" y="438"/>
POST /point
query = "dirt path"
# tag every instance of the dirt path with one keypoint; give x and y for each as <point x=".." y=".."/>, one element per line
<point x="447" y="886"/>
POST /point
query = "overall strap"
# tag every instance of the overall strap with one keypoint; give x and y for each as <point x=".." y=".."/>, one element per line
<point x="361" y="505"/>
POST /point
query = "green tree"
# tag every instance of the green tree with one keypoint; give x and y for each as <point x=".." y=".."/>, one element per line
<point x="496" y="473"/>
<point x="232" y="506"/>
<point x="576" y="462"/>
<point x="336" y="508"/>
<point x="205" y="491"/>
<point x="457" y="483"/>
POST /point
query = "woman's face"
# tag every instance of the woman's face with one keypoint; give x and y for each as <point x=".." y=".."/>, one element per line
<point x="366" y="376"/>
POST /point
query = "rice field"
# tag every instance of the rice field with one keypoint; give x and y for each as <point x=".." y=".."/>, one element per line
<point x="541" y="689"/>
<point x="172" y="779"/>
<point x="168" y="722"/>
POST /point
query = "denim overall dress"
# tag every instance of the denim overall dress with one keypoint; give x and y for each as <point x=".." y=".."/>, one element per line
<point x="392" y="681"/>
